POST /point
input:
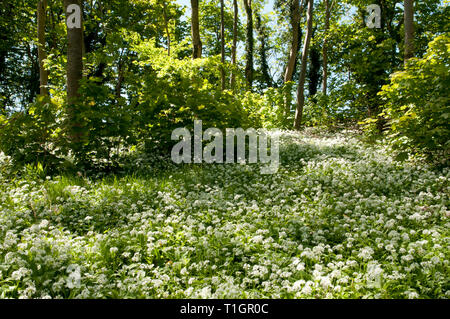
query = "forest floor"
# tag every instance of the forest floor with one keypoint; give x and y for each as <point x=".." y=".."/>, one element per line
<point x="340" y="219"/>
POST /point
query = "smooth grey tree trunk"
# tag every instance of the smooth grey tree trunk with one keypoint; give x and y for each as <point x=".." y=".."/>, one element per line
<point x="195" y="29"/>
<point x="325" y="49"/>
<point x="74" y="72"/>
<point x="249" y="43"/>
<point x="42" y="55"/>
<point x="409" y="28"/>
<point x="295" y="23"/>
<point x="234" y="45"/>
<point x="301" y="81"/>
<point x="222" y="43"/>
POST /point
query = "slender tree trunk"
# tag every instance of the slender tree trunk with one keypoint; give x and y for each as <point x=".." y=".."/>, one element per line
<point x="249" y="43"/>
<point x="222" y="43"/>
<point x="166" y="26"/>
<point x="234" y="46"/>
<point x="301" y="81"/>
<point x="74" y="67"/>
<point x="295" y="13"/>
<point x="295" y="23"/>
<point x="409" y="28"/>
<point x="314" y="69"/>
<point x="42" y="55"/>
<point x="120" y="77"/>
<point x="195" y="28"/>
<point x="33" y="82"/>
<point x="262" y="37"/>
<point x="325" y="49"/>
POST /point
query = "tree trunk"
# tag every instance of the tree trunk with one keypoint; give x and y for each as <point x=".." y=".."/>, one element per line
<point x="249" y="43"/>
<point x="195" y="28"/>
<point x="325" y="49"/>
<point x="74" y="67"/>
<point x="296" y="38"/>
<point x="262" y="37"/>
<point x="166" y="26"/>
<point x="314" y="70"/>
<point x="120" y="77"/>
<point x="301" y="81"/>
<point x="409" y="28"/>
<point x="222" y="43"/>
<point x="42" y="55"/>
<point x="234" y="46"/>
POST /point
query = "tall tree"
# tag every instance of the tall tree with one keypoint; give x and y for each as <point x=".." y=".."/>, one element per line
<point x="325" y="47"/>
<point x="74" y="21"/>
<point x="301" y="81"/>
<point x="42" y="55"/>
<point x="295" y="14"/>
<point x="222" y="43"/>
<point x="195" y="29"/>
<point x="234" y="45"/>
<point x="314" y="68"/>
<point x="266" y="79"/>
<point x="249" y="43"/>
<point x="409" y="28"/>
<point x="166" y="26"/>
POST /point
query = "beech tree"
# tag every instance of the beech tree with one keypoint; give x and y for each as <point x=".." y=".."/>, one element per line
<point x="234" y="45"/>
<point x="409" y="28"/>
<point x="249" y="43"/>
<point x="328" y="9"/>
<point x="42" y="55"/>
<point x="74" y="22"/>
<point x="265" y="77"/>
<point x="166" y="25"/>
<point x="222" y="43"/>
<point x="295" y="14"/>
<point x="302" y="78"/>
<point x="195" y="29"/>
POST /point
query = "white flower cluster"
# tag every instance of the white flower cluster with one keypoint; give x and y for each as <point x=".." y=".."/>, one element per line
<point x="341" y="219"/>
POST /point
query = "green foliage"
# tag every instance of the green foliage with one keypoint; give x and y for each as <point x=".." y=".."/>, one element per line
<point x="32" y="136"/>
<point x="171" y="93"/>
<point x="418" y="103"/>
<point x="271" y="107"/>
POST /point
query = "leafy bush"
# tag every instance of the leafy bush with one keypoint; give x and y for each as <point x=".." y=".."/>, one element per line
<point x="31" y="136"/>
<point x="418" y="103"/>
<point x="163" y="93"/>
<point x="172" y="93"/>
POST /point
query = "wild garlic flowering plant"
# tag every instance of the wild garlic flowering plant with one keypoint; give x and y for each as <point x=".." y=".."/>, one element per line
<point x="340" y="219"/>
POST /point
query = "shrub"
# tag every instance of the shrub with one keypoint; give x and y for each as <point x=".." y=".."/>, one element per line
<point x="418" y="103"/>
<point x="31" y="136"/>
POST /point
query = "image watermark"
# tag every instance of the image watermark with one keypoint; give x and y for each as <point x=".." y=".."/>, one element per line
<point x="74" y="276"/>
<point x="73" y="16"/>
<point x="236" y="147"/>
<point x="374" y="18"/>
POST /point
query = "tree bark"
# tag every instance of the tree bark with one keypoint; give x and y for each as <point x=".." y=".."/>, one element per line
<point x="301" y="81"/>
<point x="166" y="26"/>
<point x="295" y="23"/>
<point x="74" y="71"/>
<point x="409" y="29"/>
<point x="262" y="37"/>
<point x="234" y="45"/>
<point x="222" y="43"/>
<point x="42" y="55"/>
<point x="314" y="70"/>
<point x="195" y="28"/>
<point x="74" y="57"/>
<point x="249" y="43"/>
<point x="325" y="49"/>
